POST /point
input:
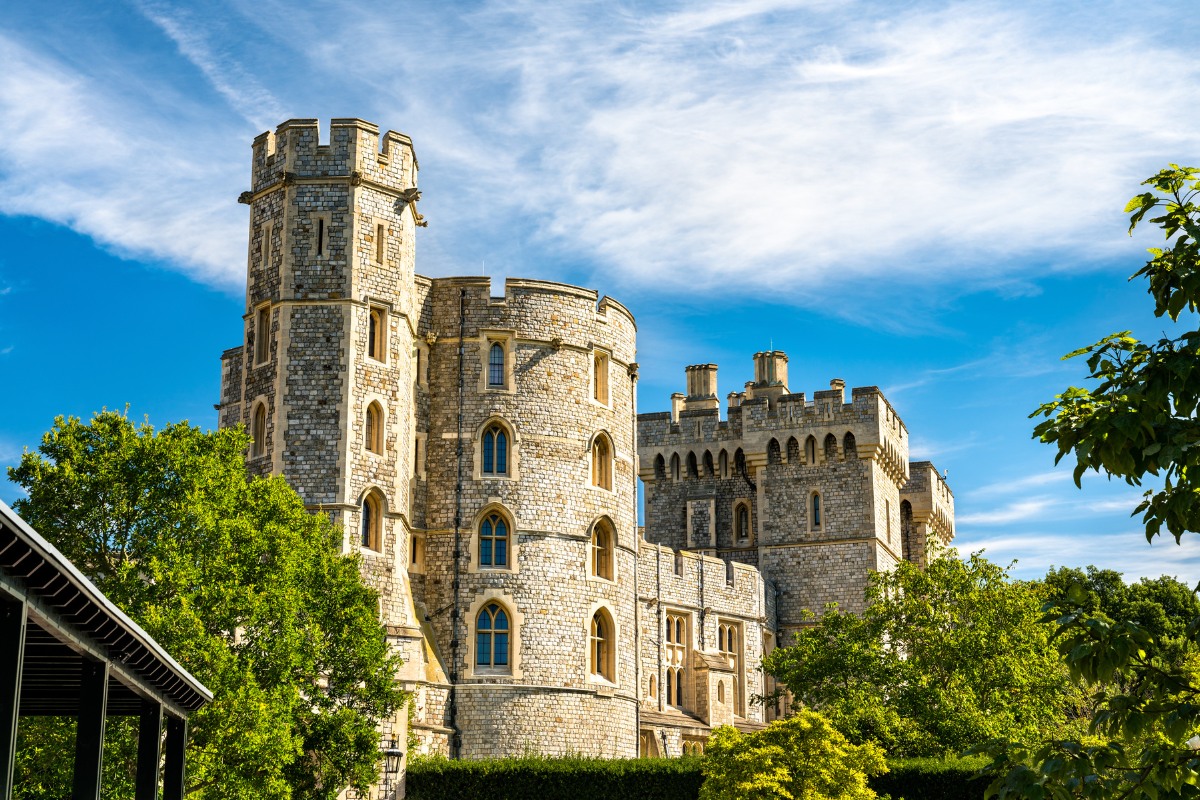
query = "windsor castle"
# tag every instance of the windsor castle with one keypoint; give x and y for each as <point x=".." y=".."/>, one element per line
<point x="482" y="453"/>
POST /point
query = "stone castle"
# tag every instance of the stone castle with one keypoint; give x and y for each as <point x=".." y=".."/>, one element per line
<point x="482" y="454"/>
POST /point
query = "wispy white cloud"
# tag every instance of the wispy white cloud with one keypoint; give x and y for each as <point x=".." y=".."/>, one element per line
<point x="75" y="152"/>
<point x="1018" y="511"/>
<point x="809" y="149"/>
<point x="1022" y="484"/>
<point x="1126" y="551"/>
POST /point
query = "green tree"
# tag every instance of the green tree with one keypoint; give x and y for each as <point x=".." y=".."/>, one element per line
<point x="1138" y="421"/>
<point x="244" y="587"/>
<point x="942" y="659"/>
<point x="802" y="757"/>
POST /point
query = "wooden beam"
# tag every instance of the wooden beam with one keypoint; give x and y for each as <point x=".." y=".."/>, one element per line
<point x="173" y="770"/>
<point x="149" y="752"/>
<point x="89" y="735"/>
<point x="13" y="616"/>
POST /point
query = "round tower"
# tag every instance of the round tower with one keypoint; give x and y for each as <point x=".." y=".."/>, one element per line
<point x="536" y="623"/>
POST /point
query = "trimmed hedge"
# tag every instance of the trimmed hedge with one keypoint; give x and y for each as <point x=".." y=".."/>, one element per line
<point x="932" y="779"/>
<point x="653" y="779"/>
<point x="555" y="779"/>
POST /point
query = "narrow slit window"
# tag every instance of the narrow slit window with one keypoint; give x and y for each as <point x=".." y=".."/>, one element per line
<point x="320" y="237"/>
<point x="259" y="432"/>
<point x="374" y="428"/>
<point x="816" y="511"/>
<point x="262" y="335"/>
<point x="380" y="243"/>
<point x="600" y="378"/>
<point x="377" y="334"/>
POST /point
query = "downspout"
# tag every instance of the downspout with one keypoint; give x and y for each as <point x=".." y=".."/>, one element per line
<point x="637" y="548"/>
<point x="452" y="705"/>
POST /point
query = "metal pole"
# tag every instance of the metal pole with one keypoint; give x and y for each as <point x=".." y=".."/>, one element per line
<point x="149" y="752"/>
<point x="89" y="733"/>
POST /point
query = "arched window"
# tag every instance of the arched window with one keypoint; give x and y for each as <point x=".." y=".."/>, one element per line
<point x="723" y="464"/>
<point x="793" y="450"/>
<point x="495" y="450"/>
<point x="692" y="472"/>
<point x="374" y="428"/>
<point x="810" y="450"/>
<point x="601" y="646"/>
<point x="493" y="542"/>
<point x="906" y="530"/>
<point x="849" y="446"/>
<point x="602" y="462"/>
<point x="739" y="462"/>
<point x="371" y="534"/>
<point x="814" y="508"/>
<point x="741" y="522"/>
<point x="496" y="364"/>
<point x="602" y="550"/>
<point x="831" y="448"/>
<point x="258" y="430"/>
<point x="660" y="468"/>
<point x="491" y="637"/>
<point x="721" y="692"/>
<point x="708" y="465"/>
<point x="675" y="466"/>
<point x="773" y="456"/>
<point x="652" y="687"/>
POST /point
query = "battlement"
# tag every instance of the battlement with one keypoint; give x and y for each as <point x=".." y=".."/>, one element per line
<point x="678" y="575"/>
<point x="355" y="149"/>
<point x="577" y="299"/>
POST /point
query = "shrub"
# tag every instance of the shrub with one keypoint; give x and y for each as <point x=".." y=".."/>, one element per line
<point x="555" y="779"/>
<point x="932" y="779"/>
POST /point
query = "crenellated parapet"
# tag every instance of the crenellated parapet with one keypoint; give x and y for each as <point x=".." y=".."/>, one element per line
<point x="927" y="510"/>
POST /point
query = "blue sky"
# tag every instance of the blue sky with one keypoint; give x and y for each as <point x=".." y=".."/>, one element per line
<point x="920" y="196"/>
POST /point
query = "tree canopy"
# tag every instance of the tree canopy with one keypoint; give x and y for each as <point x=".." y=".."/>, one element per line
<point x="1138" y="421"/>
<point x="802" y="757"/>
<point x="942" y="659"/>
<point x="244" y="587"/>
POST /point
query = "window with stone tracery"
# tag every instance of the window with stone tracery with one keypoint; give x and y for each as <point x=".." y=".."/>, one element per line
<point x="493" y="542"/>
<point x="491" y="638"/>
<point x="729" y="644"/>
<point x="676" y="657"/>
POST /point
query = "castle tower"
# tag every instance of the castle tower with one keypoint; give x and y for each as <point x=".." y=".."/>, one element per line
<point x="323" y="382"/>
<point x="815" y="494"/>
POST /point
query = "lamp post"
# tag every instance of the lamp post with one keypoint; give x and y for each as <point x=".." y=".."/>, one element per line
<point x="392" y="755"/>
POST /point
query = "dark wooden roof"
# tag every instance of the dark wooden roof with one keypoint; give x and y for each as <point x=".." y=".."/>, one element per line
<point x="70" y="619"/>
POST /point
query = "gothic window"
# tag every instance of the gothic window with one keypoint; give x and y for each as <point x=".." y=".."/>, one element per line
<point x="810" y="450"/>
<point x="601" y="646"/>
<point x="741" y="522"/>
<point x="692" y="472"/>
<point x="377" y="334"/>
<point x="374" y="428"/>
<point x="495" y="450"/>
<point x="491" y="638"/>
<point x="660" y="468"/>
<point x="676" y="656"/>
<point x="831" y="448"/>
<point x="675" y="466"/>
<point x="493" y="542"/>
<point x="729" y="644"/>
<point x="815" y="519"/>
<point x="602" y="458"/>
<point x="258" y="431"/>
<point x="793" y="450"/>
<point x="600" y="377"/>
<point x="708" y="465"/>
<point x="262" y="334"/>
<point x="723" y="464"/>
<point x="773" y="456"/>
<point x="371" y="534"/>
<point x="850" y="446"/>
<point x="496" y="365"/>
<point x="602" y="550"/>
<point x="739" y="462"/>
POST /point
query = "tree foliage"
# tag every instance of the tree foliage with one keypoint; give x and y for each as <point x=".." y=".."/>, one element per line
<point x="245" y="588"/>
<point x="802" y="757"/>
<point x="942" y="659"/>
<point x="1139" y="421"/>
